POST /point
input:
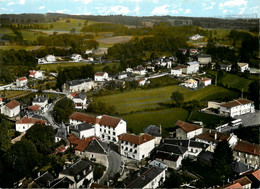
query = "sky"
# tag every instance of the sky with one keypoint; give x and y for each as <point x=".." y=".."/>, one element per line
<point x="190" y="8"/>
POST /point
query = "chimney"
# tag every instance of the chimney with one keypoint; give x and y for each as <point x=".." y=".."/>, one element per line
<point x="215" y="136"/>
<point x="39" y="174"/>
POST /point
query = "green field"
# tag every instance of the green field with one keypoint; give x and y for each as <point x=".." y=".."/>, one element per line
<point x="31" y="35"/>
<point x="140" y="100"/>
<point x="19" y="47"/>
<point x="166" y="118"/>
<point x="237" y="82"/>
<point x="12" y="94"/>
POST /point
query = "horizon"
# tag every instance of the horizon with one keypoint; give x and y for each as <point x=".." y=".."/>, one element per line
<point x="138" y="8"/>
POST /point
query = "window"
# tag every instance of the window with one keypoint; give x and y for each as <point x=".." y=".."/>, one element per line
<point x="108" y="132"/>
<point x="114" y="133"/>
<point x="100" y="130"/>
<point x="142" y="156"/>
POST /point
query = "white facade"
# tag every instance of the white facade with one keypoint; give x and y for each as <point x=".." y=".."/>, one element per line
<point x="206" y="82"/>
<point x="122" y="76"/>
<point x="181" y="134"/>
<point x="101" y="76"/>
<point x="41" y="104"/>
<point x="141" y="82"/>
<point x="84" y="133"/>
<point x="191" y="83"/>
<point x="176" y="72"/>
<point x="78" y="86"/>
<point x="36" y="74"/>
<point x="26" y="123"/>
<point x="204" y="59"/>
<point x="80" y="103"/>
<point x="76" y="57"/>
<point x="11" y="109"/>
<point x="193" y="67"/>
<point x="243" y="66"/>
<point x="21" y="82"/>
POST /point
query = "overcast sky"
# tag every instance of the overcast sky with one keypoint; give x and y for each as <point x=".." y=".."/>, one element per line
<point x="193" y="8"/>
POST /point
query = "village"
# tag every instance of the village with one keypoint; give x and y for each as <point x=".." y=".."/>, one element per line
<point x="136" y="160"/>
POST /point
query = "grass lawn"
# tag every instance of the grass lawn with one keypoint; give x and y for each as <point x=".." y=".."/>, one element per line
<point x="235" y="81"/>
<point x="166" y="118"/>
<point x="19" y="47"/>
<point x="31" y="35"/>
<point x="140" y="100"/>
<point x="162" y="81"/>
<point x="12" y="94"/>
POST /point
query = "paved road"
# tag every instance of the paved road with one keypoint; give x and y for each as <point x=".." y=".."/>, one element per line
<point x="114" y="163"/>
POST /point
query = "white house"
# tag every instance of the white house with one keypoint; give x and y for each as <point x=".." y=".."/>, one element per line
<point x="82" y="130"/>
<point x="11" y="109"/>
<point x="36" y="74"/>
<point x="187" y="130"/>
<point x="78" y="117"/>
<point x="78" y="85"/>
<point x="79" y="99"/>
<point x="26" y="122"/>
<point x="151" y="176"/>
<point x="195" y="37"/>
<point x="129" y="70"/>
<point x="1" y="102"/>
<point x="177" y="71"/>
<point x="204" y="59"/>
<point x="21" y="82"/>
<point x="226" y="67"/>
<point x="192" y="67"/>
<point x="243" y="66"/>
<point x="190" y="83"/>
<point x="101" y="76"/>
<point x="122" y="75"/>
<point x="41" y="101"/>
<point x="140" y="70"/>
<point x="76" y="57"/>
<point x="78" y="172"/>
<point x="237" y="107"/>
<point x="108" y="128"/>
<point x="193" y="51"/>
<point x="141" y="82"/>
<point x="47" y="59"/>
<point x="205" y="81"/>
<point x="136" y="147"/>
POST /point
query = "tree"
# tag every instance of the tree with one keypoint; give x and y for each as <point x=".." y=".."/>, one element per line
<point x="43" y="138"/>
<point x="5" y="143"/>
<point x="254" y="89"/>
<point x="177" y="98"/>
<point x="235" y="68"/>
<point x="222" y="162"/>
<point x="62" y="110"/>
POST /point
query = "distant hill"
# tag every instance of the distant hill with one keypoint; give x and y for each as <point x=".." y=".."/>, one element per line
<point x="251" y="24"/>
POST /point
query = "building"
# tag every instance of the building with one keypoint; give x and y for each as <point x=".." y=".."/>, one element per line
<point x="243" y="182"/>
<point x="196" y="37"/>
<point x="77" y="118"/>
<point x="26" y="122"/>
<point x="225" y="67"/>
<point x="82" y="130"/>
<point x="101" y="76"/>
<point x="204" y="59"/>
<point x="76" y="57"/>
<point x="187" y="130"/>
<point x="190" y="83"/>
<point x="122" y="75"/>
<point x="136" y="147"/>
<point x="108" y="128"/>
<point x="237" y="107"/>
<point x="192" y="67"/>
<point x="21" y="82"/>
<point x="79" y="100"/>
<point x="43" y="180"/>
<point x="247" y="153"/>
<point x="151" y="176"/>
<point x="243" y="66"/>
<point x="11" y="109"/>
<point x="36" y="74"/>
<point x="205" y="81"/>
<point x="62" y="133"/>
<point x="141" y="82"/>
<point x="47" y="59"/>
<point x="41" y="101"/>
<point x="78" y="85"/>
<point x="78" y="173"/>
<point x="139" y="70"/>
<point x="177" y="71"/>
<point x="155" y="132"/>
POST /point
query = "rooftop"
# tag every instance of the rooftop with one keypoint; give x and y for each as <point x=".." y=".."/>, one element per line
<point x="243" y="181"/>
<point x="109" y="121"/>
<point x="210" y="136"/>
<point x="78" y="81"/>
<point x="12" y="104"/>
<point x="100" y="73"/>
<point x="248" y="148"/>
<point x="187" y="127"/>
<point x="83" y="117"/>
<point x="242" y="64"/>
<point x="30" y="120"/>
<point x="34" y="107"/>
<point x="22" y="78"/>
<point x="134" y="139"/>
<point x="172" y="149"/>
<point x="236" y="103"/>
<point x="97" y="146"/>
<point x="153" y="130"/>
<point x="44" y="179"/>
<point x="81" y="127"/>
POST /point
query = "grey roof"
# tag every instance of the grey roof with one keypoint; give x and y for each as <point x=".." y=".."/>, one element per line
<point x="166" y="155"/>
<point x="171" y="148"/>
<point x="204" y="56"/>
<point x="61" y="133"/>
<point x="152" y="130"/>
<point x="77" y="169"/>
<point x="81" y="96"/>
<point x="192" y="63"/>
<point x="97" y="146"/>
<point x="40" y="99"/>
<point x="44" y="180"/>
<point x="143" y="177"/>
<point x="186" y="143"/>
<point x="78" y="81"/>
<point x="81" y="127"/>
<point x="206" y="156"/>
<point x="63" y="182"/>
<point x="240" y="168"/>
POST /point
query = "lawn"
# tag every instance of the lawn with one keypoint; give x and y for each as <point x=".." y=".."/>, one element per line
<point x="162" y="81"/>
<point x="166" y="118"/>
<point x="237" y="82"/>
<point x="146" y="99"/>
<point x="12" y="94"/>
<point x="19" y="47"/>
<point x="32" y="35"/>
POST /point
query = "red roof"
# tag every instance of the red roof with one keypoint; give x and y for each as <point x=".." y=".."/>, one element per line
<point x="236" y="185"/>
<point x="205" y="79"/>
<point x="74" y="94"/>
<point x="83" y="117"/>
<point x="22" y="78"/>
<point x="248" y="148"/>
<point x="187" y="127"/>
<point x="32" y="72"/>
<point x="12" y="104"/>
<point x="99" y="73"/>
<point x="136" y="139"/>
<point x="95" y="185"/>
<point x="109" y="121"/>
<point x="210" y="136"/>
<point x="236" y="103"/>
<point x="80" y="144"/>
<point x="257" y="174"/>
<point x="30" y="120"/>
<point x="34" y="107"/>
<point x="243" y="181"/>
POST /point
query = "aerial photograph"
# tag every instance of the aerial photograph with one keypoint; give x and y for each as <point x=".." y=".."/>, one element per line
<point x="129" y="94"/>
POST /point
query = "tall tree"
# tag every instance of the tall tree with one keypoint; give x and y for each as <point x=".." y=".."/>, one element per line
<point x="62" y="110"/>
<point x="5" y="143"/>
<point x="177" y="98"/>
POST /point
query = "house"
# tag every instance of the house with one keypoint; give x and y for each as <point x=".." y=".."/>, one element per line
<point x="243" y="182"/>
<point x="83" y="130"/>
<point x="41" y="101"/>
<point x="11" y="109"/>
<point x="195" y="37"/>
<point x="205" y="157"/>
<point x="62" y="133"/>
<point x="237" y="107"/>
<point x="192" y="67"/>
<point x="79" y="100"/>
<point x="26" y="122"/>
<point x="78" y="172"/>
<point x="177" y="71"/>
<point x="193" y="51"/>
<point x="76" y="57"/>
<point x="129" y="70"/>
<point x="36" y="74"/>
<point x="21" y="82"/>
<point x="190" y="83"/>
<point x="184" y="51"/>
<point x="78" y="117"/>
<point x="47" y="59"/>
<point x="78" y="85"/>
<point x="254" y="176"/>
<point x="213" y="138"/>
<point x="247" y="153"/>
<point x="155" y="132"/>
<point x="204" y="59"/>
<point x="240" y="168"/>
<point x="122" y="75"/>
<point x="170" y="154"/>
<point x="141" y="82"/>
<point x="140" y="70"/>
<point x="101" y="76"/>
<point x="63" y="182"/>
<point x="225" y="67"/>
<point x="243" y="66"/>
<point x="36" y="109"/>
<point x="151" y="176"/>
<point x="108" y="128"/>
<point x="43" y="180"/>
<point x="187" y="130"/>
<point x="205" y="81"/>
<point x="136" y="147"/>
